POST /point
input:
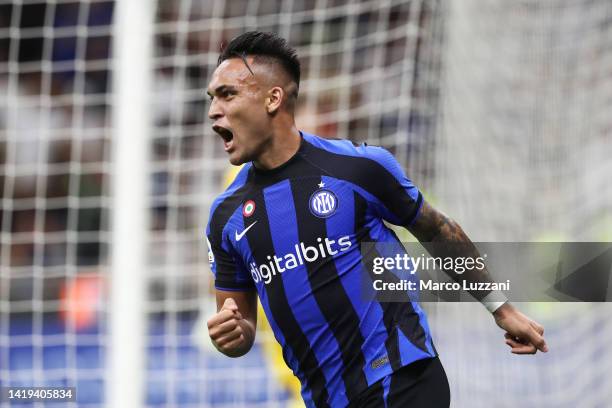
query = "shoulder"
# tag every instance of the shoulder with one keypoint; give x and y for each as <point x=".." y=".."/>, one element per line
<point x="337" y="146"/>
<point x="370" y="157"/>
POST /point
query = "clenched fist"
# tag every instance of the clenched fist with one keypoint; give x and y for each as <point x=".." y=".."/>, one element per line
<point x="230" y="333"/>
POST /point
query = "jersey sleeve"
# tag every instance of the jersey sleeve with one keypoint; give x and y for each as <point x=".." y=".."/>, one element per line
<point x="396" y="198"/>
<point x="229" y="271"/>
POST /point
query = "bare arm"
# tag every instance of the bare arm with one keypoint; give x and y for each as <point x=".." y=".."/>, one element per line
<point x="432" y="225"/>
<point x="232" y="328"/>
<point x="523" y="335"/>
<point x="443" y="237"/>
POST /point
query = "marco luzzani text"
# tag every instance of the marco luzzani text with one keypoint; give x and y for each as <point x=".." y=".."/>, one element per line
<point x="459" y="265"/>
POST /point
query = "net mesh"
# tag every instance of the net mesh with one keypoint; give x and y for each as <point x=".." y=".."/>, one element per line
<point x="526" y="97"/>
<point x="499" y="112"/>
<point x="54" y="138"/>
<point x="523" y="154"/>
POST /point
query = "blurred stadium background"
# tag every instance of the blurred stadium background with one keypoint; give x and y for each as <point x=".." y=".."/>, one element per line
<point x="500" y="111"/>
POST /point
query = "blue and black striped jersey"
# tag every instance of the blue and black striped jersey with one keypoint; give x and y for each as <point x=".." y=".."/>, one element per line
<point x="293" y="234"/>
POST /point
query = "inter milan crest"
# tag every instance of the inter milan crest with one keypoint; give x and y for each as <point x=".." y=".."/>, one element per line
<point x="249" y="208"/>
<point x="323" y="202"/>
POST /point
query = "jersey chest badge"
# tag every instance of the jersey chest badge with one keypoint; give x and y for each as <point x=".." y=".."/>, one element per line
<point x="248" y="208"/>
<point x="323" y="203"/>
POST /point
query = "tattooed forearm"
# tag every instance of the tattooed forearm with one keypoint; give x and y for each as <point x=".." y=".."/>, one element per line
<point x="443" y="237"/>
<point x="434" y="226"/>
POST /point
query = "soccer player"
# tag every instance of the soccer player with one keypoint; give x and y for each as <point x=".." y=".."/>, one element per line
<point x="289" y="230"/>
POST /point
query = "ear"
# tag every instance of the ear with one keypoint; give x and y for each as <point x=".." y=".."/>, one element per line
<point x="274" y="99"/>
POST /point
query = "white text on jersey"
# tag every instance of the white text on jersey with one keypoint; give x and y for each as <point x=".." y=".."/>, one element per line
<point x="302" y="254"/>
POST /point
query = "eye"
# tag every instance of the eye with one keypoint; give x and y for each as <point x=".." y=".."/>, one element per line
<point x="227" y="94"/>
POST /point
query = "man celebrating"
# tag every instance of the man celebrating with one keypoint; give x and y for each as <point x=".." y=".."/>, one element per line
<point x="289" y="229"/>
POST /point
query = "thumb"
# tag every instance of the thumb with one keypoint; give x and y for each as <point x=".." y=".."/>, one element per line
<point x="229" y="304"/>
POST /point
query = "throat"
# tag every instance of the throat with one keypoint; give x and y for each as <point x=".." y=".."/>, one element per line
<point x="280" y="151"/>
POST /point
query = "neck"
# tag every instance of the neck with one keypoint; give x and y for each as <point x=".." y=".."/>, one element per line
<point x="283" y="145"/>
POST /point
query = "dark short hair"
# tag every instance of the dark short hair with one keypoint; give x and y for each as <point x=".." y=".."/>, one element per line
<point x="265" y="46"/>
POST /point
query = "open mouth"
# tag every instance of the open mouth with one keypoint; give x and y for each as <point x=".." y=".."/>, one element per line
<point x="226" y="135"/>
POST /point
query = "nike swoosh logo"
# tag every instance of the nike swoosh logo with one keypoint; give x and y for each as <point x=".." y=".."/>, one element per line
<point x="239" y="236"/>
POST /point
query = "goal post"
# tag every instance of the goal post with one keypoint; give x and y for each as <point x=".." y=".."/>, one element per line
<point x="131" y="186"/>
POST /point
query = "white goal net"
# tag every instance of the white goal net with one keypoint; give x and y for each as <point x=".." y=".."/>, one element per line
<point x="524" y="154"/>
<point x="499" y="111"/>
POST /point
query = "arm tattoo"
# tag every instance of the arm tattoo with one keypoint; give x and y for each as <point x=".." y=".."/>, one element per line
<point x="434" y="226"/>
<point x="443" y="237"/>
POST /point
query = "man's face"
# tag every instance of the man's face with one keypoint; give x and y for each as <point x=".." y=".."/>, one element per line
<point x="238" y="109"/>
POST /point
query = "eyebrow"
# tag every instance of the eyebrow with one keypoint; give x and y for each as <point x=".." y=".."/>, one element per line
<point x="220" y="89"/>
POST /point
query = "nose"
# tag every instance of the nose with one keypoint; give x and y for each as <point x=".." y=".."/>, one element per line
<point x="214" y="112"/>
